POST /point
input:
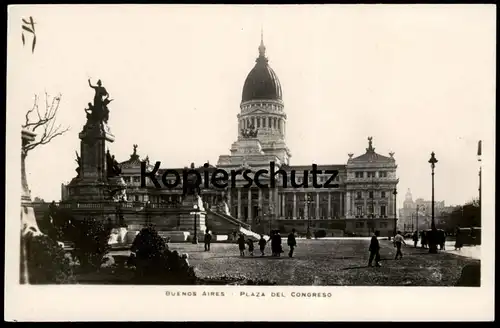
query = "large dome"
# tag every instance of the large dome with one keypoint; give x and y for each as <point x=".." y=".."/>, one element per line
<point x="262" y="83"/>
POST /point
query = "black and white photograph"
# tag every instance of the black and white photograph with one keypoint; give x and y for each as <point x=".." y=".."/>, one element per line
<point x="256" y="156"/>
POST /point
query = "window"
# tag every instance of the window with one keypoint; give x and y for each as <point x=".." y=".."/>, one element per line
<point x="258" y="122"/>
<point x="358" y="174"/>
<point x="382" y="194"/>
<point x="360" y="224"/>
<point x="358" y="195"/>
<point x="382" y="210"/>
<point x="382" y="174"/>
<point x="371" y="194"/>
<point x="137" y="179"/>
<point x="136" y="198"/>
<point x="383" y="224"/>
<point x="359" y="210"/>
<point x="370" y="174"/>
<point x="126" y="179"/>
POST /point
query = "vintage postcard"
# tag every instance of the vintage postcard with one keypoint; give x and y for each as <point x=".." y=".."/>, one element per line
<point x="250" y="163"/>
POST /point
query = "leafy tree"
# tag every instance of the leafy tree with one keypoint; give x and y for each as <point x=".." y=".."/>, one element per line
<point x="90" y="238"/>
<point x="46" y="260"/>
<point x="156" y="264"/>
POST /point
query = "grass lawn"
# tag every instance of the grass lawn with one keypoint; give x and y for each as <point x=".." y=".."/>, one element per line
<point x="315" y="262"/>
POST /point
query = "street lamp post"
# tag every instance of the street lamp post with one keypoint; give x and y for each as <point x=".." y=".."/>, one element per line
<point x="395" y="192"/>
<point x="432" y="240"/>
<point x="308" y="201"/>
<point x="195" y="234"/>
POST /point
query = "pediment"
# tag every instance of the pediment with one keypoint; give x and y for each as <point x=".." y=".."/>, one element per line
<point x="257" y="111"/>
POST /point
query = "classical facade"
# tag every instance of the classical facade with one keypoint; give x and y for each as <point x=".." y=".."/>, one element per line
<point x="362" y="200"/>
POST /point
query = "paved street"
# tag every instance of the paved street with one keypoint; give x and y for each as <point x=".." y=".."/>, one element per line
<point x="336" y="261"/>
<point x="473" y="252"/>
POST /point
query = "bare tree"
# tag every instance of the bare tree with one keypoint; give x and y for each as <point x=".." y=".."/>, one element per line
<point x="45" y="120"/>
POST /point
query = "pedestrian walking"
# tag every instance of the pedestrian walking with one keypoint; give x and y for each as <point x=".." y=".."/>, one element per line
<point x="279" y="246"/>
<point x="207" y="240"/>
<point x="398" y="242"/>
<point x="292" y="243"/>
<point x="374" y="250"/>
<point x="458" y="239"/>
<point x="262" y="245"/>
<point x="423" y="239"/>
<point x="241" y="244"/>
<point x="415" y="239"/>
<point x="250" y="246"/>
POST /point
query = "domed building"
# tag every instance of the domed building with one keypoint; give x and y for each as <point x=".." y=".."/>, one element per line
<point x="359" y="199"/>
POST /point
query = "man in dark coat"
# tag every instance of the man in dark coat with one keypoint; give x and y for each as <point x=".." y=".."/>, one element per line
<point x="415" y="239"/>
<point x="241" y="244"/>
<point x="374" y="250"/>
<point x="207" y="240"/>
<point x="292" y="243"/>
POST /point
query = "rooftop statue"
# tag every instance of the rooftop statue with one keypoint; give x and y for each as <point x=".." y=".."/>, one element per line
<point x="113" y="168"/>
<point x="78" y="161"/>
<point x="99" y="112"/>
<point x="251" y="132"/>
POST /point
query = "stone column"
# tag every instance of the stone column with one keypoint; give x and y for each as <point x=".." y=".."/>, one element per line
<point x="389" y="205"/>
<point x="341" y="205"/>
<point x="329" y="214"/>
<point x="250" y="205"/>
<point x="317" y="205"/>
<point x="239" y="204"/>
<point x="306" y="208"/>
<point x="294" y="205"/>
<point x="229" y="201"/>
<point x="283" y="204"/>
<point x="365" y="198"/>
<point x="348" y="203"/>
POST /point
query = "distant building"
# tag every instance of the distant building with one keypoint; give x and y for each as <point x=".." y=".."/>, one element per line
<point x="408" y="214"/>
<point x="64" y="192"/>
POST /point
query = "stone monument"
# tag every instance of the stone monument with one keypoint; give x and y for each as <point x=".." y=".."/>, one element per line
<point x="192" y="212"/>
<point x="98" y="173"/>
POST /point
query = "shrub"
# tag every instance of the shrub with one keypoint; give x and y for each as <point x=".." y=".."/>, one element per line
<point x="90" y="238"/>
<point x="156" y="264"/>
<point x="57" y="223"/>
<point x="47" y="263"/>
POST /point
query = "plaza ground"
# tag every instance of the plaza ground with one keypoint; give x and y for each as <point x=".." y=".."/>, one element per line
<point x="332" y="261"/>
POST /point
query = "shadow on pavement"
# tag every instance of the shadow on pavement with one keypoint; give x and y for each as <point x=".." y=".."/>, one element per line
<point x="251" y="257"/>
<point x="357" y="267"/>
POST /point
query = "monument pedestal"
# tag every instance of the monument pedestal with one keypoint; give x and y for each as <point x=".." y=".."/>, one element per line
<point x="193" y="216"/>
<point x="92" y="183"/>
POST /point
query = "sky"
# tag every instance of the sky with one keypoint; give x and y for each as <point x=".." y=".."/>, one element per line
<point x="416" y="78"/>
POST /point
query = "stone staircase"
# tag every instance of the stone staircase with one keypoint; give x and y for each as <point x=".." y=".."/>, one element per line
<point x="225" y="224"/>
<point x="250" y="234"/>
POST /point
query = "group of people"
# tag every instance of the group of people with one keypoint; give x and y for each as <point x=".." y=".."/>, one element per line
<point x="441" y="238"/>
<point x="399" y="240"/>
<point x="276" y="244"/>
<point x="374" y="248"/>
